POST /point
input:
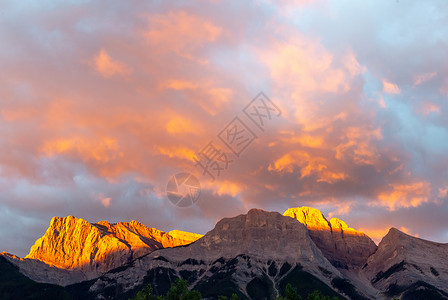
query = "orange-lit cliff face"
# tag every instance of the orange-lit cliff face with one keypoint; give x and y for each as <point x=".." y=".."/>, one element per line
<point x="343" y="246"/>
<point x="73" y="243"/>
<point x="313" y="219"/>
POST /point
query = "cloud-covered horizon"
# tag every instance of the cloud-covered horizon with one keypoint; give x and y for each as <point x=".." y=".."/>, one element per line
<point x="100" y="105"/>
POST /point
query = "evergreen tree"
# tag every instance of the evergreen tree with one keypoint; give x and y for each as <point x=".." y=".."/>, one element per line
<point x="178" y="291"/>
<point x="146" y="294"/>
<point x="290" y="293"/>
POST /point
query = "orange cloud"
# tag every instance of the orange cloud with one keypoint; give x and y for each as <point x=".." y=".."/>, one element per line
<point x="180" y="85"/>
<point x="309" y="75"/>
<point x="181" y="33"/>
<point x="309" y="165"/>
<point x="179" y="124"/>
<point x="404" y="195"/>
<point x="390" y="88"/>
<point x="286" y="162"/>
<point x="311" y="141"/>
<point x="103" y="149"/>
<point x="376" y="234"/>
<point x="358" y="145"/>
<point x="11" y="115"/>
<point x="217" y="99"/>
<point x="224" y="187"/>
<point x="107" y="67"/>
<point x="307" y="64"/>
<point x="305" y="140"/>
<point x="178" y="152"/>
<point x="422" y="78"/>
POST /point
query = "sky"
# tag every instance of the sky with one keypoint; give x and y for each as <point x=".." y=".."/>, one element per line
<point x="101" y="103"/>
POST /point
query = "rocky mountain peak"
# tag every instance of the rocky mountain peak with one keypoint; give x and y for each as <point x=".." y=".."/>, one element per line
<point x="75" y="244"/>
<point x="343" y="246"/>
<point x="260" y="247"/>
<point x="258" y="233"/>
<point x="406" y="261"/>
<point x="312" y="218"/>
<point x="394" y="234"/>
<point x="67" y="222"/>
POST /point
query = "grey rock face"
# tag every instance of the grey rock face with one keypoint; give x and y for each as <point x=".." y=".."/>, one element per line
<point x="403" y="263"/>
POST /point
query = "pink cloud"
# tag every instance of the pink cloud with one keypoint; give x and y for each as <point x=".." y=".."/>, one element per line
<point x="427" y="108"/>
<point x="106" y="202"/>
<point x="390" y="88"/>
<point x="108" y="67"/>
<point x="422" y="78"/>
<point x="444" y="89"/>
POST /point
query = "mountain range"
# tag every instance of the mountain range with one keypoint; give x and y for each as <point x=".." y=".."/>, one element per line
<point x="254" y="255"/>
